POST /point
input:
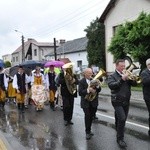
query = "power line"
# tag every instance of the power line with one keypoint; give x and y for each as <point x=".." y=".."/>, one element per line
<point x="63" y="23"/>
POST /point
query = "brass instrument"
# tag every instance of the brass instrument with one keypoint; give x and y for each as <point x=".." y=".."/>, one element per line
<point x="130" y="71"/>
<point x="95" y="82"/>
<point x="69" y="77"/>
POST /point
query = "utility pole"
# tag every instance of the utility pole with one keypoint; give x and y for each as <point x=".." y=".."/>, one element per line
<point x="55" y="54"/>
<point x="22" y="40"/>
<point x="23" y="52"/>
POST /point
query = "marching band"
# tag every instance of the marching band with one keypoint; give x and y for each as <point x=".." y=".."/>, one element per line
<point x="61" y="88"/>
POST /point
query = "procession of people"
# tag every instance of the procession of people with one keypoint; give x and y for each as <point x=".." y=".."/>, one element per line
<point x="39" y="87"/>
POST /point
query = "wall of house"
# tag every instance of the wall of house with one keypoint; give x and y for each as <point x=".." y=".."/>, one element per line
<point x="16" y="58"/>
<point x="124" y="10"/>
<point x="75" y="57"/>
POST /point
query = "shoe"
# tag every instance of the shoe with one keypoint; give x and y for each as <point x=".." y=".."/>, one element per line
<point x="70" y="122"/>
<point x="91" y="133"/>
<point x="66" y="123"/>
<point x="122" y="143"/>
<point x="149" y="133"/>
<point x="88" y="136"/>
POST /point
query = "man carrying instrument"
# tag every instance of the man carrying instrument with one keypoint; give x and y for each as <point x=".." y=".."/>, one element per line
<point x="145" y="75"/>
<point x="88" y="103"/>
<point x="120" y="86"/>
<point x="68" y="82"/>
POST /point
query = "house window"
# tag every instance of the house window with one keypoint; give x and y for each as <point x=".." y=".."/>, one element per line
<point x="115" y="29"/>
<point x="79" y="63"/>
<point x="13" y="59"/>
<point x="42" y="52"/>
<point x="35" y="52"/>
<point x="16" y="59"/>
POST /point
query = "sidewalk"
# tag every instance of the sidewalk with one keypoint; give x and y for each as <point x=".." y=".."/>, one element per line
<point x="135" y="95"/>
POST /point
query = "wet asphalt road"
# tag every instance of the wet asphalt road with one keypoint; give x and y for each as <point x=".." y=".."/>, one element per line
<point x="45" y="130"/>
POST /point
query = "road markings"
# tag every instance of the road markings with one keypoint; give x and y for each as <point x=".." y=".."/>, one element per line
<point x="128" y="122"/>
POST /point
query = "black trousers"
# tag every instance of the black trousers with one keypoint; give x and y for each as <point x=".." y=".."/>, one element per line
<point x="68" y="105"/>
<point x="148" y="107"/>
<point x="88" y="117"/>
<point x="121" y="113"/>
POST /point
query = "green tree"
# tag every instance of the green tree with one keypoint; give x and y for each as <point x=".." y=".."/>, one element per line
<point x="133" y="38"/>
<point x="96" y="44"/>
<point x="7" y="64"/>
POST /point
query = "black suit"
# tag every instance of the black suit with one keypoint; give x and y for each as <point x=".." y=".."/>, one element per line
<point x="68" y="99"/>
<point x="120" y="98"/>
<point x="89" y="107"/>
<point x="145" y="75"/>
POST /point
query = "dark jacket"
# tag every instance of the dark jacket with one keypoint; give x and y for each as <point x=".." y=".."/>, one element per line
<point x="83" y="92"/>
<point x="64" y="90"/>
<point x="52" y="83"/>
<point x="120" y="89"/>
<point x="145" y="75"/>
<point x="2" y="81"/>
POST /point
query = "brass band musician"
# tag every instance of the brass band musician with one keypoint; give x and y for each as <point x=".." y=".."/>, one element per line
<point x="88" y="103"/>
<point x="68" y="82"/>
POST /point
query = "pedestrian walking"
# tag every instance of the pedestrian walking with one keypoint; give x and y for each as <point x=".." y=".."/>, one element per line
<point x="88" y="103"/>
<point x="120" y="86"/>
<point x="145" y="76"/>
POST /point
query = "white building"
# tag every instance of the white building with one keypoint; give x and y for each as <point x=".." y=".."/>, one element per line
<point x="7" y="57"/>
<point x="116" y="13"/>
<point x="75" y="50"/>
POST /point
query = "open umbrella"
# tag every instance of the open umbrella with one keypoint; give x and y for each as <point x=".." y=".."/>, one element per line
<point x="31" y="64"/>
<point x="14" y="70"/>
<point x="54" y="63"/>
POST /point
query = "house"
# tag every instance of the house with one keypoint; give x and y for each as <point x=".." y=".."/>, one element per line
<point x="33" y="50"/>
<point x="7" y="57"/>
<point x="75" y="50"/>
<point x="117" y="12"/>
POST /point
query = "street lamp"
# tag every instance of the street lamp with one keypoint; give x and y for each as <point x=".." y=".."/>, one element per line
<point x="23" y="52"/>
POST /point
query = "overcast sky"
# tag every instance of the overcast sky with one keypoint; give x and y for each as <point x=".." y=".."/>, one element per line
<point x="45" y="19"/>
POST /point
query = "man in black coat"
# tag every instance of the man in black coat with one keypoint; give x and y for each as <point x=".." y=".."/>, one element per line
<point x="145" y="75"/>
<point x="89" y="106"/>
<point x="120" y="86"/>
<point x="68" y="83"/>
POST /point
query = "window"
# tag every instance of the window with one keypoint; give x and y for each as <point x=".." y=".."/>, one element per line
<point x="79" y="63"/>
<point x="35" y="52"/>
<point x="115" y="29"/>
<point x="42" y="52"/>
<point x="13" y="59"/>
<point x="17" y="59"/>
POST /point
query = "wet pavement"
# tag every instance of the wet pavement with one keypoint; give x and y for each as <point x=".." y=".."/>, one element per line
<point x="45" y="130"/>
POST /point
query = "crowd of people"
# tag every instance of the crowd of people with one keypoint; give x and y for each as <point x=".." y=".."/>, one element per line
<point x="40" y="87"/>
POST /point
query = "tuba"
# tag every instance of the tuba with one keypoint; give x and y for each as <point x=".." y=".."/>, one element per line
<point x="95" y="82"/>
<point x="69" y="77"/>
<point x="132" y="70"/>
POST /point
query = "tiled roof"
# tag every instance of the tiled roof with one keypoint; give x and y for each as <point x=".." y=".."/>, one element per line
<point x="72" y="46"/>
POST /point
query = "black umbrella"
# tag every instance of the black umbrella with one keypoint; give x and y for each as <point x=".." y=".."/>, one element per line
<point x="31" y="64"/>
<point x="14" y="70"/>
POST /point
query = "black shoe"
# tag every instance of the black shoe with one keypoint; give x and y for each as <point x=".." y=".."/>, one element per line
<point x="149" y="133"/>
<point x="66" y="123"/>
<point x="70" y="122"/>
<point x="88" y="136"/>
<point x="122" y="143"/>
<point x="91" y="133"/>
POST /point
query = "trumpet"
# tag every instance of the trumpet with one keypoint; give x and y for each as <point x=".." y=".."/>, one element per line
<point x="133" y="75"/>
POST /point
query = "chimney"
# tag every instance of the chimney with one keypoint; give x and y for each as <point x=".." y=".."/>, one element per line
<point x="62" y="41"/>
